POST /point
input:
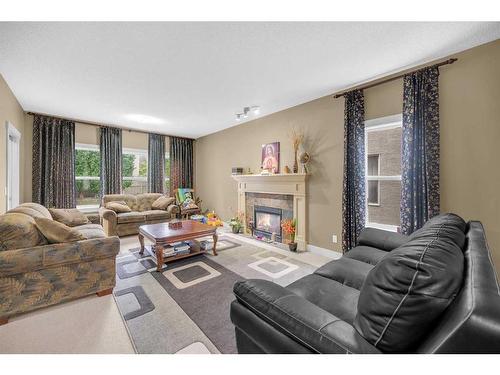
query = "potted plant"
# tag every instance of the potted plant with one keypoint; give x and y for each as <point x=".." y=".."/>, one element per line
<point x="236" y="223"/>
<point x="289" y="226"/>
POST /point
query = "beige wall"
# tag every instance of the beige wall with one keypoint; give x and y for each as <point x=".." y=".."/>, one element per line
<point x="11" y="111"/>
<point x="90" y="135"/>
<point x="470" y="151"/>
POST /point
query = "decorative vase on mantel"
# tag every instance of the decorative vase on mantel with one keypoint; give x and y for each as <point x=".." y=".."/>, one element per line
<point x="295" y="163"/>
<point x="292" y="246"/>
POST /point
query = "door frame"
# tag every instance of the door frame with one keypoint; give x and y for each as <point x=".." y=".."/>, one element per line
<point x="11" y="131"/>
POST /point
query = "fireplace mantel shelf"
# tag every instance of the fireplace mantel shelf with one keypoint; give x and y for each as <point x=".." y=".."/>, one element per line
<point x="280" y="176"/>
<point x="294" y="184"/>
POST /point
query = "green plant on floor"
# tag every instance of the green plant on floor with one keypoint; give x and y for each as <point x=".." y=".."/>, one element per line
<point x="236" y="223"/>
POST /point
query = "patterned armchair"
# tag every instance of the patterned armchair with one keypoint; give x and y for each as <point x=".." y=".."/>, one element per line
<point x="35" y="274"/>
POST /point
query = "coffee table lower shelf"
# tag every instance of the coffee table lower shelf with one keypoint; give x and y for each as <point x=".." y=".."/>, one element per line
<point x="169" y="259"/>
<point x="156" y="251"/>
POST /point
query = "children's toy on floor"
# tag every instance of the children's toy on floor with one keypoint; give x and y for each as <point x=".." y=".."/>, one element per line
<point x="213" y="220"/>
<point x="200" y="218"/>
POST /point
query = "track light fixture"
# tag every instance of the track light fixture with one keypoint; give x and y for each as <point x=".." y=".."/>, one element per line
<point x="254" y="110"/>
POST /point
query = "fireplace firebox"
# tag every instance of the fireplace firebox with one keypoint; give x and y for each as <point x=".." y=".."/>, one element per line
<point x="267" y="220"/>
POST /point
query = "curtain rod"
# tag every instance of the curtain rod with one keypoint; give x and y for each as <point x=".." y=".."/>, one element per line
<point x="369" y="85"/>
<point x="101" y="125"/>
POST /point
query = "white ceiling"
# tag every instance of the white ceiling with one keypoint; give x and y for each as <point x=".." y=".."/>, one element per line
<point x="192" y="78"/>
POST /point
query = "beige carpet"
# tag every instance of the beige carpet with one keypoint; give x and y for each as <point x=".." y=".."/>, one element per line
<point x="87" y="325"/>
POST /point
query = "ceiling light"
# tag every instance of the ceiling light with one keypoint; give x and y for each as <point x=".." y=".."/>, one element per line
<point x="144" y="119"/>
<point x="254" y="110"/>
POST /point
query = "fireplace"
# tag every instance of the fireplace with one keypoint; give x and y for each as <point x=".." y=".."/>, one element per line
<point x="267" y="220"/>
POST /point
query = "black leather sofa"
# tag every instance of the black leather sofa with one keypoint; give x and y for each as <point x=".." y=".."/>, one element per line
<point x="435" y="291"/>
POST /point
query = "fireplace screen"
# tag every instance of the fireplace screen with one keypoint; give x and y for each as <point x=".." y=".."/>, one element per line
<point x="267" y="221"/>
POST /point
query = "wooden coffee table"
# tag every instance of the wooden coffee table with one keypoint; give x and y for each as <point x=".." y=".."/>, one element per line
<point x="162" y="235"/>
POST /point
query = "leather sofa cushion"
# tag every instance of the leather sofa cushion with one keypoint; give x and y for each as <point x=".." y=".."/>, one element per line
<point x="347" y="271"/>
<point x="71" y="217"/>
<point x="130" y="217"/>
<point x="366" y="254"/>
<point x="19" y="231"/>
<point x="91" y="231"/>
<point x="307" y="323"/>
<point x="381" y="239"/>
<point x="411" y="287"/>
<point x="156" y="215"/>
<point x="330" y="295"/>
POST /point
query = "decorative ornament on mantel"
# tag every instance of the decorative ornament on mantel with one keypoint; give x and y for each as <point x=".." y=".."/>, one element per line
<point x="296" y="136"/>
<point x="304" y="159"/>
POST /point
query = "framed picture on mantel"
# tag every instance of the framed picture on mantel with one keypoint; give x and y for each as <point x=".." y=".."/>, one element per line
<point x="271" y="157"/>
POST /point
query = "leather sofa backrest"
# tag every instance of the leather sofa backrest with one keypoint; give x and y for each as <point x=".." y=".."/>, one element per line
<point x="139" y="202"/>
<point x="409" y="289"/>
<point x="471" y="324"/>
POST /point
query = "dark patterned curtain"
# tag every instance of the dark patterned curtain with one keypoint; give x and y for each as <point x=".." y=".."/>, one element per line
<point x="156" y="163"/>
<point x="54" y="162"/>
<point x="181" y="163"/>
<point x="420" y="149"/>
<point x="111" y="160"/>
<point x="354" y="194"/>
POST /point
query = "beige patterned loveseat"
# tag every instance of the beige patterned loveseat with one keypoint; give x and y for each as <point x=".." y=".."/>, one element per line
<point x="35" y="274"/>
<point x="128" y="223"/>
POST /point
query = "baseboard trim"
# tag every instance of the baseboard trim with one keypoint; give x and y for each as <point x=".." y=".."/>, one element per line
<point x="322" y="251"/>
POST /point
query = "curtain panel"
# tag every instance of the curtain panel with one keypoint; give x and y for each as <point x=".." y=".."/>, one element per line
<point x="420" y="149"/>
<point x="181" y="163"/>
<point x="156" y="163"/>
<point x="354" y="193"/>
<point x="110" y="146"/>
<point x="54" y="162"/>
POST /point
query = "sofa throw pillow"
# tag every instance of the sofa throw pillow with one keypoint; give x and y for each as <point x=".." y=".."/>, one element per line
<point x="56" y="232"/>
<point x="118" y="206"/>
<point x="408" y="290"/>
<point x="162" y="203"/>
<point x="19" y="231"/>
<point x="71" y="217"/>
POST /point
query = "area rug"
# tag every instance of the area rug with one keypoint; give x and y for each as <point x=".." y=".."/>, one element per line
<point x="187" y="304"/>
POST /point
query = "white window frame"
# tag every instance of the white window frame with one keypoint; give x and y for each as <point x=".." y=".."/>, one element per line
<point x="378" y="124"/>
<point x="378" y="180"/>
<point x="87" y="147"/>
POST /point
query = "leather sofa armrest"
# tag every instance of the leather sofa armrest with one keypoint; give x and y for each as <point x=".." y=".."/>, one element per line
<point x="308" y="324"/>
<point x="173" y="209"/>
<point x="381" y="239"/>
<point x="18" y="261"/>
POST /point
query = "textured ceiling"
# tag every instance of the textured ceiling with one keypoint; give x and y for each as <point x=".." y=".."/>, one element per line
<point x="189" y="79"/>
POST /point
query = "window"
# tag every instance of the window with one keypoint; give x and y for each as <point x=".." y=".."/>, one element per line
<point x="383" y="172"/>
<point x="134" y="171"/>
<point x="87" y="172"/>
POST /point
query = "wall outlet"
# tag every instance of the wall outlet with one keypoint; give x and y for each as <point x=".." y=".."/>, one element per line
<point x="334" y="238"/>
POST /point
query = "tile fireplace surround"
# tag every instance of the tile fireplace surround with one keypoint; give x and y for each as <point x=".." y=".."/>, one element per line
<point x="272" y="188"/>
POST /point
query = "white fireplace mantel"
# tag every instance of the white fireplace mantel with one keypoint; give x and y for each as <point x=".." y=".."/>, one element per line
<point x="288" y="184"/>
